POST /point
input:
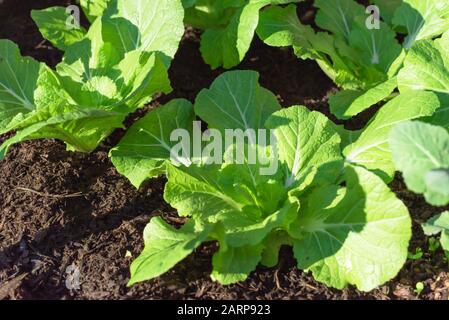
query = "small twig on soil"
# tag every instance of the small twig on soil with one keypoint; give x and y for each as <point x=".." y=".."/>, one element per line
<point x="276" y="280"/>
<point x="310" y="286"/>
<point x="73" y="195"/>
<point x="3" y="222"/>
<point x="41" y="44"/>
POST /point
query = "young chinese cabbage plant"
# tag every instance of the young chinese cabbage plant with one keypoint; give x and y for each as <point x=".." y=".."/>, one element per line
<point x="361" y="59"/>
<point x="229" y="27"/>
<point x="343" y="222"/>
<point x="424" y="95"/>
<point x="107" y="72"/>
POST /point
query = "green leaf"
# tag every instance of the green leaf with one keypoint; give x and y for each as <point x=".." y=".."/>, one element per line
<point x="347" y="136"/>
<point x="18" y="81"/>
<point x="437" y="183"/>
<point x="242" y="232"/>
<point x="228" y="44"/>
<point x="210" y="14"/>
<point x="426" y="67"/>
<point x="444" y="240"/>
<point x="361" y="238"/>
<point x="337" y="16"/>
<point x="421" y="152"/>
<point x="95" y="72"/>
<point x="142" y="75"/>
<point x="164" y="248"/>
<point x="306" y="141"/>
<point x="88" y="58"/>
<point x="195" y="191"/>
<point x="236" y="101"/>
<point x="145" y="148"/>
<point x="232" y="265"/>
<point x="52" y="23"/>
<point x="126" y="25"/>
<point x="438" y="224"/>
<point x="188" y="3"/>
<point x="280" y="27"/>
<point x="272" y="244"/>
<point x="94" y="8"/>
<point x="423" y="19"/>
<point x="348" y="103"/>
<point x="376" y="48"/>
<point x="371" y="150"/>
<point x="387" y="8"/>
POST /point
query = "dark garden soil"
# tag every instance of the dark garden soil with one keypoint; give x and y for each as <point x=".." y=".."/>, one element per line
<point x="60" y="209"/>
